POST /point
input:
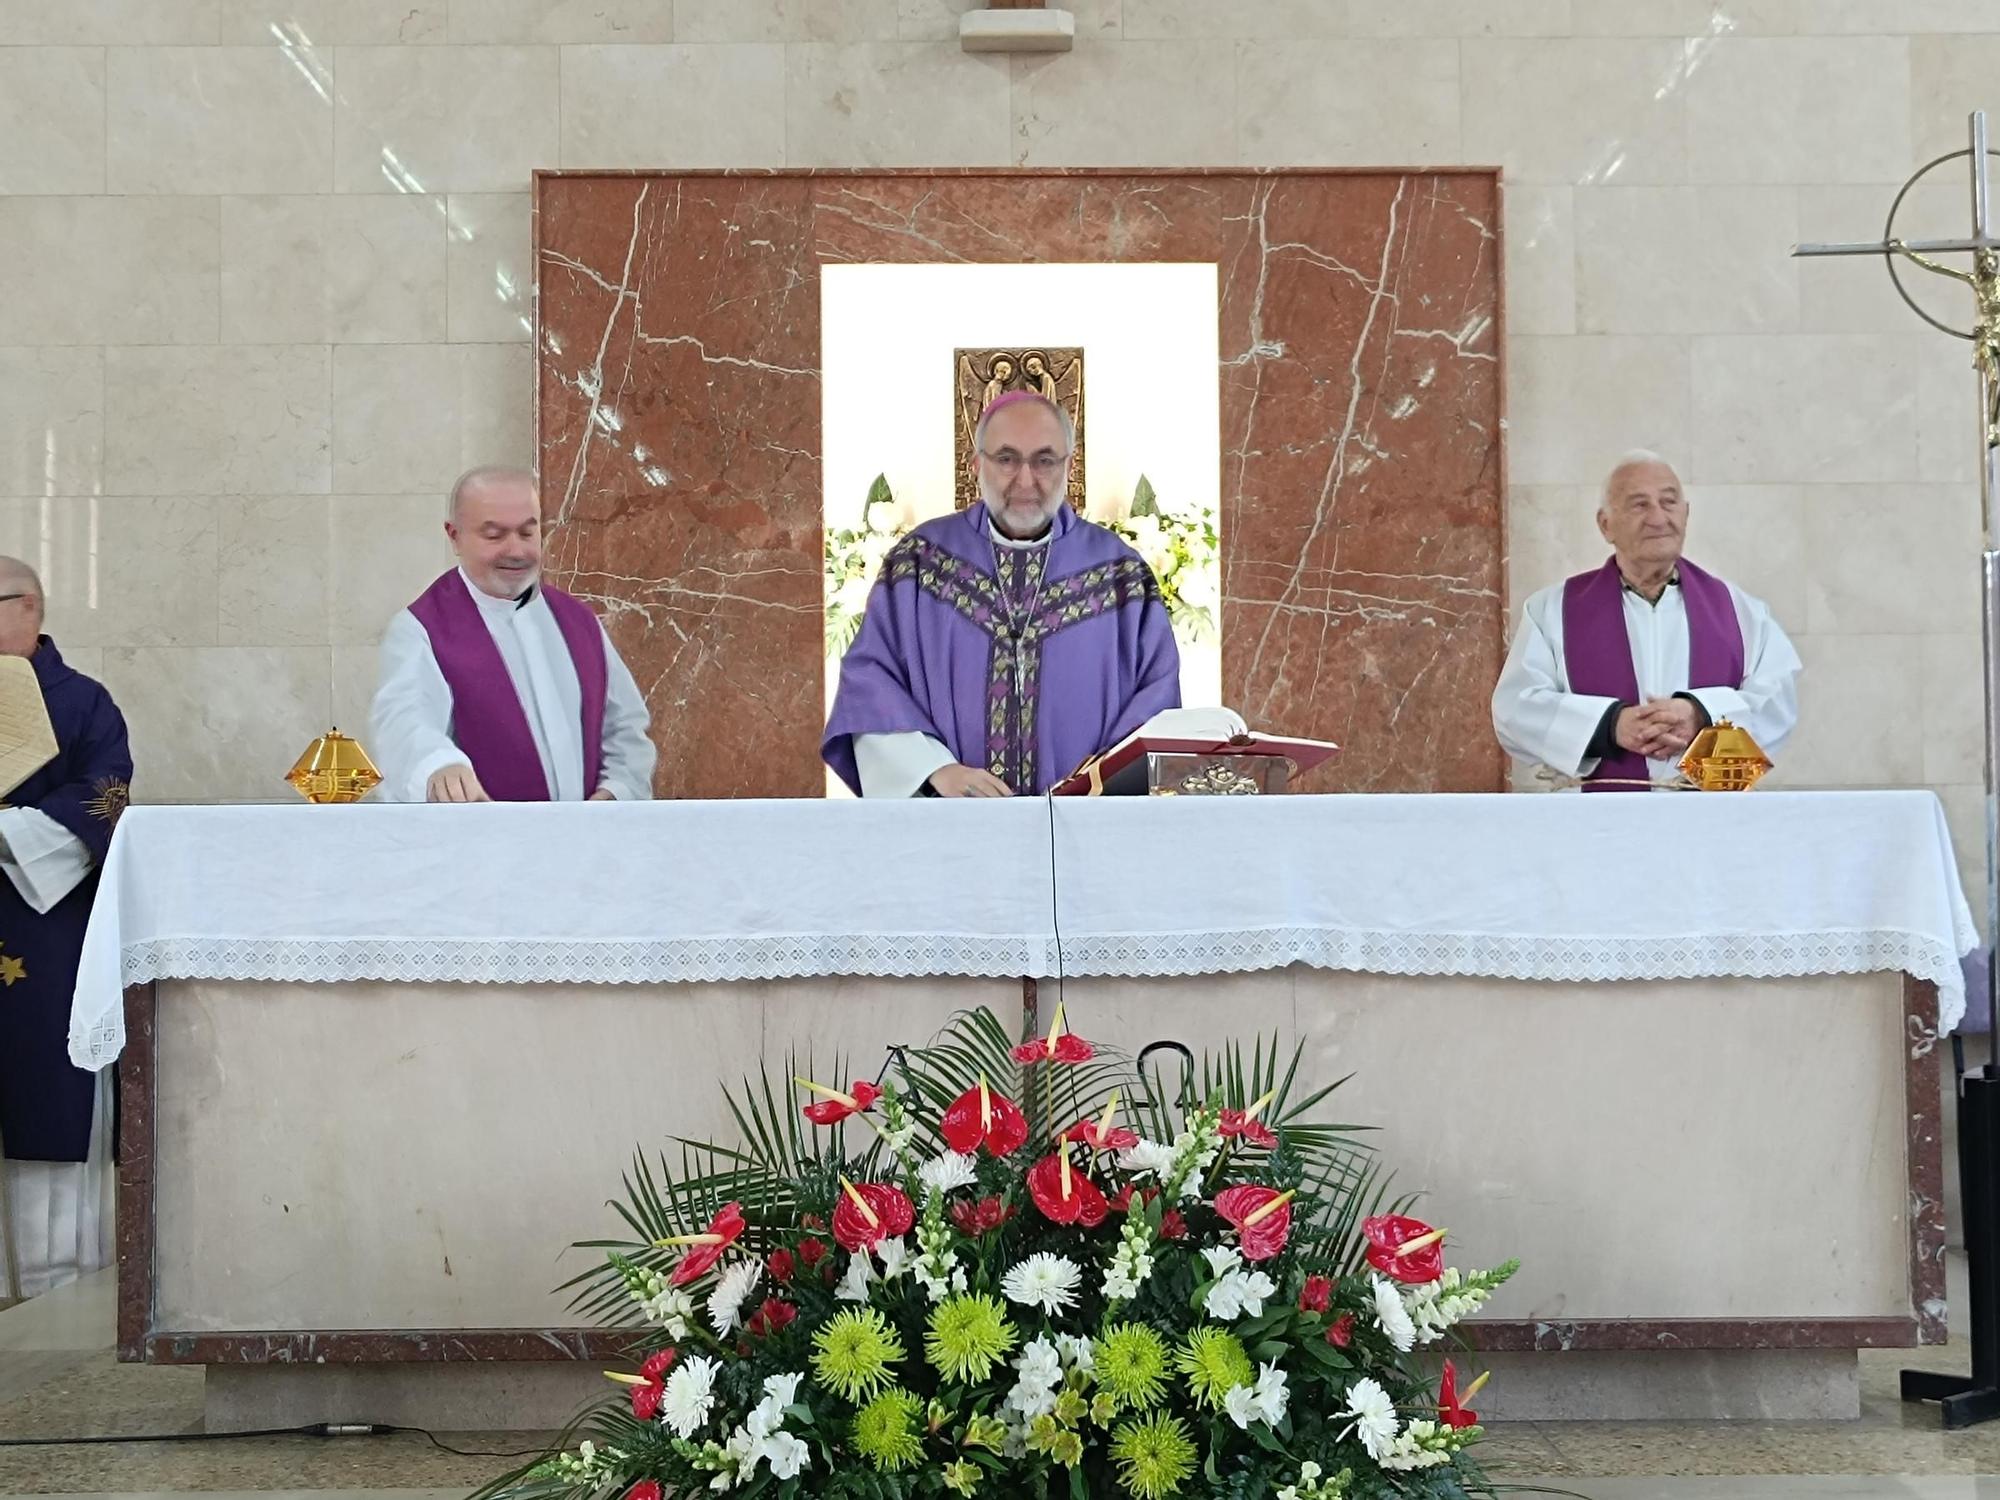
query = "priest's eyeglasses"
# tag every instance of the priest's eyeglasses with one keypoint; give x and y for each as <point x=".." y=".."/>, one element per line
<point x="1044" y="465"/>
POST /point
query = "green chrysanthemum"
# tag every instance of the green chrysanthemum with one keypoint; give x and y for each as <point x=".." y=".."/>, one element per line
<point x="1154" y="1457"/>
<point x="854" y="1354"/>
<point x="1130" y="1362"/>
<point x="1214" y="1362"/>
<point x="968" y="1336"/>
<point x="888" y="1431"/>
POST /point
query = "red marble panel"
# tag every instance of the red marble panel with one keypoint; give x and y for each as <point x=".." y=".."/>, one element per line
<point x="678" y="408"/>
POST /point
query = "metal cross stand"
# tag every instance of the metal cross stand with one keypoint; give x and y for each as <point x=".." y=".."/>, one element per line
<point x="1967" y="1400"/>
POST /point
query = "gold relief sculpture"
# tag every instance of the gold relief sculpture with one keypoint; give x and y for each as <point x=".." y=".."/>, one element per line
<point x="983" y="375"/>
<point x="112" y="797"/>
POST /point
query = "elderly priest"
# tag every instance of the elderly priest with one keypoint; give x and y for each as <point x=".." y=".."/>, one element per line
<point x="55" y="1119"/>
<point x="1003" y="645"/>
<point x="1614" y="672"/>
<point x="498" y="687"/>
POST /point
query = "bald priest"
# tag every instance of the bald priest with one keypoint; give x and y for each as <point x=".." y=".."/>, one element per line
<point x="1615" y="671"/>
<point x="497" y="687"/>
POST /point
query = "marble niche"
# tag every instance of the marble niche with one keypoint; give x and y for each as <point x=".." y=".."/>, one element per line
<point x="678" y="410"/>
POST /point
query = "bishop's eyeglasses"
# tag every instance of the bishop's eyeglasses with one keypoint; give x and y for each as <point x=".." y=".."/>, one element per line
<point x="1044" y="465"/>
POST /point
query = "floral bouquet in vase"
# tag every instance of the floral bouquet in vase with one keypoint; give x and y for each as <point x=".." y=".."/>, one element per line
<point x="1026" y="1271"/>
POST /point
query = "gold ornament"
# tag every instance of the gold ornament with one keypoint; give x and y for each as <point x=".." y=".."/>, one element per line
<point x="1724" y="758"/>
<point x="334" y="769"/>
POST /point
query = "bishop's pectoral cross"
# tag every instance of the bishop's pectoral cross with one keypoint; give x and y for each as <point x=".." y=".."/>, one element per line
<point x="1976" y="1398"/>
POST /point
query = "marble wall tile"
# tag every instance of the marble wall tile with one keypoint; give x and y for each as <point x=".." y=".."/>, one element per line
<point x="492" y="284"/>
<point x="1892" y="559"/>
<point x="356" y="269"/>
<point x="1950" y="77"/>
<point x="1686" y="260"/>
<point x="108" y="270"/>
<point x="130" y="570"/>
<point x="1756" y="536"/>
<point x="51" y="421"/>
<point x="1679" y="18"/>
<point x="673" y="106"/>
<point x="1183" y="20"/>
<point x="786" y="20"/>
<point x="1950" y="425"/>
<point x="894" y="104"/>
<point x="1575" y="404"/>
<point x="1077" y="109"/>
<point x="382" y="551"/>
<point x="937" y="20"/>
<point x="218" y="120"/>
<point x="396" y="423"/>
<point x="240" y="421"/>
<point x="58" y="23"/>
<point x="356" y="670"/>
<point x="444" y="119"/>
<point x="1550" y="535"/>
<point x="1347" y="103"/>
<point x="1540" y="259"/>
<point x="1954" y="742"/>
<point x="218" y="723"/>
<point x="1860" y="699"/>
<point x="1886" y="17"/>
<point x="1622" y="117"/>
<point x="496" y="405"/>
<point x="566" y="22"/>
<point x="51" y="120"/>
<point x="1451" y="18"/>
<point x="273" y="575"/>
<point x="1778" y="410"/>
<point x="335" y="23"/>
<point x="1807" y="109"/>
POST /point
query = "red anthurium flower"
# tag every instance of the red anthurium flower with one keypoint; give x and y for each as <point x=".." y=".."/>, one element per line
<point x="781" y="1266"/>
<point x="1405" y="1249"/>
<point x="871" y="1213"/>
<point x="772" y="1316"/>
<point x="646" y="1400"/>
<point x="979" y="1117"/>
<point x="978" y="1218"/>
<point x="1340" y="1333"/>
<point x="1452" y="1411"/>
<point x="1092" y="1133"/>
<point x="649" y="1386"/>
<point x="645" y="1489"/>
<point x="810" y="1252"/>
<point x="835" y="1106"/>
<point x="1059" y="1046"/>
<point x="705" y="1249"/>
<point x="1172" y="1225"/>
<point x="1235" y="1123"/>
<point x="1262" y="1216"/>
<point x="657" y="1364"/>
<point x="1064" y="1194"/>
<point x="1317" y="1295"/>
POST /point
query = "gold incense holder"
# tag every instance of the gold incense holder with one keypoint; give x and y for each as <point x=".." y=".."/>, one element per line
<point x="1724" y="758"/>
<point x="334" y="769"/>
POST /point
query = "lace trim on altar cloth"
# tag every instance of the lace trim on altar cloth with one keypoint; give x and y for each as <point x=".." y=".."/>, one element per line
<point x="682" y="960"/>
<point x="1760" y="955"/>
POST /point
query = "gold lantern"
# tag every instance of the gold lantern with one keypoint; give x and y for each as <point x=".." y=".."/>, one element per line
<point x="334" y="769"/>
<point x="1724" y="758"/>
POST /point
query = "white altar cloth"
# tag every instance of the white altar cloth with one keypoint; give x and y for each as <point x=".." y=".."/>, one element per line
<point x="1508" y="886"/>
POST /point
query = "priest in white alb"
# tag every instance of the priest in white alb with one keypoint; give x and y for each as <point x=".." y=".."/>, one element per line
<point x="498" y="687"/>
<point x="1614" y="672"/>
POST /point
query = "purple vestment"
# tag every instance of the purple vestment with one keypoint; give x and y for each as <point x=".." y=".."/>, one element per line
<point x="1024" y="662"/>
<point x="487" y="720"/>
<point x="1597" y="652"/>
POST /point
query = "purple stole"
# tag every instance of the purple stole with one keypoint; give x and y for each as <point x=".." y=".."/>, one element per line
<point x="488" y="721"/>
<point x="1597" y="653"/>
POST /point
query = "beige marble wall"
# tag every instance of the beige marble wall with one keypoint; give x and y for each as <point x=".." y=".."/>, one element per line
<point x="266" y="282"/>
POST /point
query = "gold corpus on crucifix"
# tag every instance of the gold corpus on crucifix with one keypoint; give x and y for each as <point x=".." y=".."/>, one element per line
<point x="981" y="375"/>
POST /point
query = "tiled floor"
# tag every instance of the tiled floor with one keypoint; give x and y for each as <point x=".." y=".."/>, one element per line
<point x="58" y="1378"/>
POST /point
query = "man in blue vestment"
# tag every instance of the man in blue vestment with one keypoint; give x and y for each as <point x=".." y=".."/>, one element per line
<point x="54" y="830"/>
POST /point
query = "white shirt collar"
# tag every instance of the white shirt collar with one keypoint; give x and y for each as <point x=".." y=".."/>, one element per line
<point x="490" y="605"/>
<point x="1001" y="539"/>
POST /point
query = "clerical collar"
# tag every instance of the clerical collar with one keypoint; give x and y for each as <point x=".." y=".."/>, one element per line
<point x="491" y="602"/>
<point x="1014" y="544"/>
<point x="1673" y="582"/>
<point x="526" y="596"/>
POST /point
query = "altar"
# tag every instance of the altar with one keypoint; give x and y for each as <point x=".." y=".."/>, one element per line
<point x="379" y="1066"/>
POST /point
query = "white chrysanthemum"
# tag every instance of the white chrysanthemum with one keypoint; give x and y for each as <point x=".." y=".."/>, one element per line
<point x="786" y="1454"/>
<point x="1392" y="1316"/>
<point x="854" y="1285"/>
<point x="1147" y="1156"/>
<point x="949" y="1172"/>
<point x="1045" y="1281"/>
<point x="1373" y="1414"/>
<point x="689" y="1395"/>
<point x="725" y="1303"/>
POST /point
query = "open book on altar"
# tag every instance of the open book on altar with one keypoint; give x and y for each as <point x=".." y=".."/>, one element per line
<point x="1194" y="752"/>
